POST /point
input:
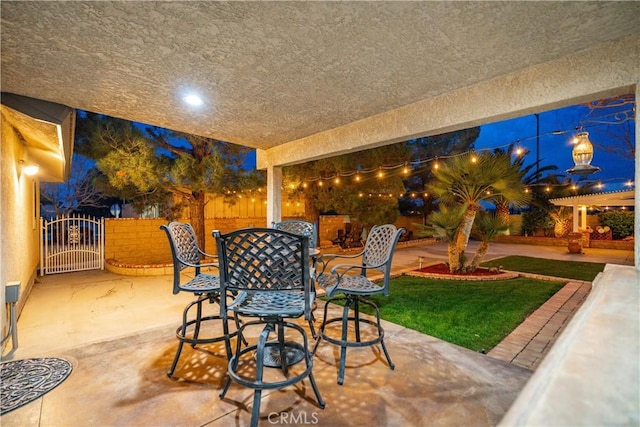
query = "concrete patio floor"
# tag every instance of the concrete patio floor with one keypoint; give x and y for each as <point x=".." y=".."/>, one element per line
<point x="118" y="332"/>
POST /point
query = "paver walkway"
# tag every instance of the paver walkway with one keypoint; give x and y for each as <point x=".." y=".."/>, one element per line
<point x="527" y="345"/>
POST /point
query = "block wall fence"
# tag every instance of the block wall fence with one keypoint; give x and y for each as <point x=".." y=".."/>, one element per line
<point x="140" y="241"/>
<point x="133" y="241"/>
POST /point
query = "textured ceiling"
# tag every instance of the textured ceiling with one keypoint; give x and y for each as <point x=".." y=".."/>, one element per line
<point x="273" y="72"/>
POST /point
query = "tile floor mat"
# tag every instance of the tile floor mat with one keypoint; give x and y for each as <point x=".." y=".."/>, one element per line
<point x="23" y="381"/>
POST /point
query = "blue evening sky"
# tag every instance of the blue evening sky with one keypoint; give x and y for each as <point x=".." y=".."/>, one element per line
<point x="556" y="149"/>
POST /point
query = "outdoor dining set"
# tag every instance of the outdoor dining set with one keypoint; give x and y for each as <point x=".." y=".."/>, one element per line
<point x="266" y="278"/>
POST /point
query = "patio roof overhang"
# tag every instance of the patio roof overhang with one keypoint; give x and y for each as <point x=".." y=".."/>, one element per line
<point x="300" y="81"/>
<point x="46" y="129"/>
<point x="304" y="80"/>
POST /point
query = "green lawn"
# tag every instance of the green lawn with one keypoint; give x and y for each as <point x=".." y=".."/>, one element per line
<point x="549" y="267"/>
<point x="475" y="315"/>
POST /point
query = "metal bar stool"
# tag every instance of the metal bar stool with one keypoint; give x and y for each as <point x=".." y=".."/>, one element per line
<point x="206" y="287"/>
<point x="266" y="271"/>
<point x="342" y="284"/>
<point x="309" y="229"/>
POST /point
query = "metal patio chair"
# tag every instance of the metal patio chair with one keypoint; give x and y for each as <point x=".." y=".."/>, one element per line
<point x="305" y="228"/>
<point x="342" y="284"/>
<point x="298" y="226"/>
<point x="206" y="287"/>
<point x="266" y="271"/>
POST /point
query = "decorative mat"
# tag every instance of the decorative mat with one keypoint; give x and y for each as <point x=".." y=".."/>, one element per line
<point x="23" y="381"/>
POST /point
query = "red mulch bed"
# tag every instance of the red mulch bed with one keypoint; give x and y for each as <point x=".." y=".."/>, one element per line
<point x="444" y="270"/>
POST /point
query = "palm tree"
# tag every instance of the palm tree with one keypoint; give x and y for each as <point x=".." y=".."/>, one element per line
<point x="470" y="179"/>
<point x="445" y="223"/>
<point x="487" y="225"/>
<point x="531" y="176"/>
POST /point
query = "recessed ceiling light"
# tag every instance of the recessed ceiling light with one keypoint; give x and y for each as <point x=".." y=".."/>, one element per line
<point x="193" y="100"/>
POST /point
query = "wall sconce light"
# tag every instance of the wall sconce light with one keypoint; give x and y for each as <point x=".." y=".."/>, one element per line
<point x="29" y="169"/>
<point x="582" y="155"/>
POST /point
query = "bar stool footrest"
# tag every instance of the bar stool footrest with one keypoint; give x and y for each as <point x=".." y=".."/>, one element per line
<point x="194" y="341"/>
<point x="348" y="343"/>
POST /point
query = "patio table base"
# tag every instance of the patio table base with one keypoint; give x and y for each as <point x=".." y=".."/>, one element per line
<point x="294" y="353"/>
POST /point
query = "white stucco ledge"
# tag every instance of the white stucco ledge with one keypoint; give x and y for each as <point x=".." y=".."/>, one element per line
<point x="591" y="375"/>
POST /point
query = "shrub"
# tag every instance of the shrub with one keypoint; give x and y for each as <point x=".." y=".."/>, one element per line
<point x="537" y="219"/>
<point x="620" y="222"/>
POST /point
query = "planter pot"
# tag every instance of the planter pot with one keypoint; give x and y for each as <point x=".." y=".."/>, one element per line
<point x="574" y="243"/>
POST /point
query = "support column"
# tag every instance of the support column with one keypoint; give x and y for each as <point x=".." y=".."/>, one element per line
<point x="576" y="214"/>
<point x="583" y="219"/>
<point x="274" y="194"/>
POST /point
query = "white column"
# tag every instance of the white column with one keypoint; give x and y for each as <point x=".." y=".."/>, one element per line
<point x="576" y="214"/>
<point x="583" y="221"/>
<point x="274" y="194"/>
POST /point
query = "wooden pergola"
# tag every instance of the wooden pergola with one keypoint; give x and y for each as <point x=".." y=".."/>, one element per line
<point x="582" y="202"/>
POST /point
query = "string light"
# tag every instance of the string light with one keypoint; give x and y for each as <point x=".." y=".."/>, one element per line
<point x="405" y="168"/>
<point x="413" y="194"/>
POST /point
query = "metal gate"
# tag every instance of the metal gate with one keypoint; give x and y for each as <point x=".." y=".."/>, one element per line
<point x="71" y="243"/>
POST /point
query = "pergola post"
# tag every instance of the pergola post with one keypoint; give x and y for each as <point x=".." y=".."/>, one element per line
<point x="274" y="194"/>
<point x="583" y="220"/>
<point x="576" y="213"/>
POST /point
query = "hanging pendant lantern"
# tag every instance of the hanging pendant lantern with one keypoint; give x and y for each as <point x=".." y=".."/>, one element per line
<point x="582" y="155"/>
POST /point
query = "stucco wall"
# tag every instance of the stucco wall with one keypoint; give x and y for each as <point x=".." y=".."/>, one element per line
<point x="18" y="232"/>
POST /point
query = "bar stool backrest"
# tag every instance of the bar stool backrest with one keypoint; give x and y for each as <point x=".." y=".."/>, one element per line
<point x="297" y="226"/>
<point x="379" y="250"/>
<point x="265" y="260"/>
<point x="184" y="249"/>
